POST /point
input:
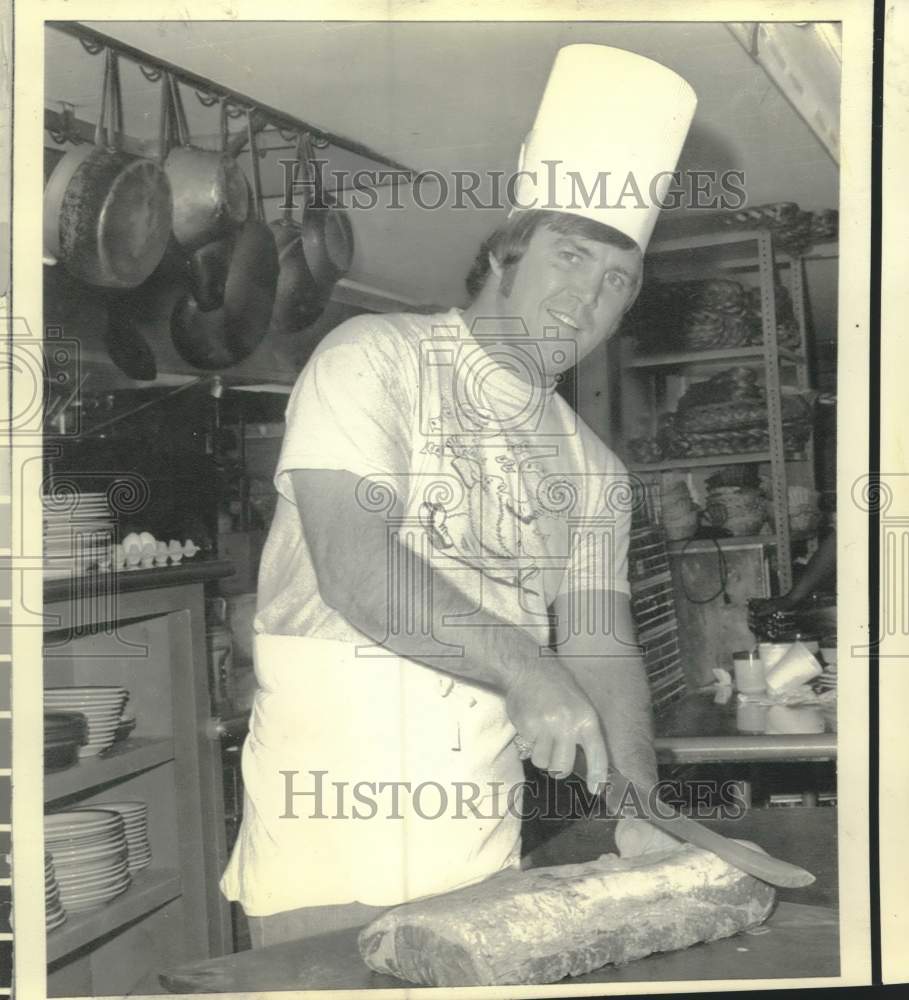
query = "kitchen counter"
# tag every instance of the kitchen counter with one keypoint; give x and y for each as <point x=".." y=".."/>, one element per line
<point x="125" y="581"/>
<point x="800" y="940"/>
<point x="697" y="730"/>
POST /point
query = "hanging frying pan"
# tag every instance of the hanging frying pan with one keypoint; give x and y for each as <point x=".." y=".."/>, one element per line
<point x="107" y="214"/>
<point x="125" y="344"/>
<point x="298" y="300"/>
<point x="223" y="337"/>
<point x="210" y="195"/>
<point x="315" y="251"/>
<point x="328" y="241"/>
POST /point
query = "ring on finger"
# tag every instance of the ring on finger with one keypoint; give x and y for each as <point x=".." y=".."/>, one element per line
<point x="525" y="748"/>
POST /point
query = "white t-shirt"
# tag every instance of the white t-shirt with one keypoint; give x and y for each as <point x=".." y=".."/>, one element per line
<point x="506" y="490"/>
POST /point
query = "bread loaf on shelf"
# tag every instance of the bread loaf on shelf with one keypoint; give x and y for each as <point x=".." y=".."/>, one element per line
<point x="541" y="925"/>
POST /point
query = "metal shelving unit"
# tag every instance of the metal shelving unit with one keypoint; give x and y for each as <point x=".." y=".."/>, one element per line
<point x="685" y="258"/>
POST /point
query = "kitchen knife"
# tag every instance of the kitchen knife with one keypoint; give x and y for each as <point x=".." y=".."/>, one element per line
<point x="762" y="866"/>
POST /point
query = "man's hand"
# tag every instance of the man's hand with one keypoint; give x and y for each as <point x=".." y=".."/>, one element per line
<point x="551" y="712"/>
<point x="634" y="837"/>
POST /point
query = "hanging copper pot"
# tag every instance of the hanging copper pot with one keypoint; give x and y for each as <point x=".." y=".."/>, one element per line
<point x="316" y="250"/>
<point x="222" y="337"/>
<point x="207" y="267"/>
<point x="210" y="194"/>
<point x="328" y="240"/>
<point x="107" y="213"/>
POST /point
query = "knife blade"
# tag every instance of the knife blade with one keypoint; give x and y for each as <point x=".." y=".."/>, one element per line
<point x="756" y="863"/>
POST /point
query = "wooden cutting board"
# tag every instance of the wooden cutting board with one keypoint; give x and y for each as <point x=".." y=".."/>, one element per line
<point x="796" y="942"/>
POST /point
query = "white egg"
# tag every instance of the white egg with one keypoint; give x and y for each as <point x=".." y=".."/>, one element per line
<point x="132" y="539"/>
<point x="147" y="538"/>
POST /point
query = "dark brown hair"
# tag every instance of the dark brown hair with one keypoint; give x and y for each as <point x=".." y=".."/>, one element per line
<point x="509" y="242"/>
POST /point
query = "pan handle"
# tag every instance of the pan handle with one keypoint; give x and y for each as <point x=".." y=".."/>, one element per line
<point x="254" y="156"/>
<point x="109" y="129"/>
<point x="318" y="200"/>
<point x="179" y="112"/>
<point x="165" y="120"/>
<point x="101" y="134"/>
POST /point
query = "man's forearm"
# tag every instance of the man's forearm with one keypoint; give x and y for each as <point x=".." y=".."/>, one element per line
<point x="489" y="650"/>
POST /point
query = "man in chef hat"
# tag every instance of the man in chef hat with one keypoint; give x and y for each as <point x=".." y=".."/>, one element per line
<point x="439" y="507"/>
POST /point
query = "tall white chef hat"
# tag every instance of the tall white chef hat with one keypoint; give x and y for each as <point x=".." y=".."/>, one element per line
<point x="607" y="112"/>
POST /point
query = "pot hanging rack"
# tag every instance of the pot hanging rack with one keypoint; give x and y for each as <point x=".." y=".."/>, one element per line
<point x="209" y="91"/>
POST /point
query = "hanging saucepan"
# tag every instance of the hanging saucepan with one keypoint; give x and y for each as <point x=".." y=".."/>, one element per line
<point x="107" y="214"/>
<point x="328" y="241"/>
<point x="208" y="266"/>
<point x="298" y="300"/>
<point x="209" y="190"/>
<point x="225" y="336"/>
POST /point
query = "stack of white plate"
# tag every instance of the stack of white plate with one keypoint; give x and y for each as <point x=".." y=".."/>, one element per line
<point x="135" y="820"/>
<point x="89" y="852"/>
<point x="101" y="705"/>
<point x="54" y="914"/>
<point x="78" y="533"/>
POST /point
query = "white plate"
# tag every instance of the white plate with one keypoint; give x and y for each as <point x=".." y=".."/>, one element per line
<point x="89" y="689"/>
<point x="111" y="888"/>
<point x="85" y="901"/>
<point x="90" y="706"/>
<point x="107" y="713"/>
<point x="126" y="808"/>
<point x="80" y="822"/>
<point x="94" y="885"/>
<point x="93" y="751"/>
<point x="99" y="698"/>
<point x="69" y="856"/>
<point x="102" y="698"/>
<point x="61" y="841"/>
<point x="78" y="885"/>
<point x="91" y="869"/>
<point x="91" y="904"/>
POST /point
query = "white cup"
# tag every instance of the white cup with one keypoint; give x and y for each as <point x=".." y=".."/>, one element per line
<point x="791" y="719"/>
<point x="749" y="673"/>
<point x="771" y="653"/>
<point x="797" y="667"/>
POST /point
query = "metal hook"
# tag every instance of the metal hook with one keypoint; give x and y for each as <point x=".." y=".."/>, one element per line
<point x="206" y="100"/>
<point x="92" y="48"/>
<point x="67" y="131"/>
<point x="151" y="73"/>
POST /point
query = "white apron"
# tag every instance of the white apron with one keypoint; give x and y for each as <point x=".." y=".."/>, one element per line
<point x="333" y="719"/>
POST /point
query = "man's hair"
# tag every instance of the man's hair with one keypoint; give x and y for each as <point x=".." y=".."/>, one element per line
<point x="509" y="242"/>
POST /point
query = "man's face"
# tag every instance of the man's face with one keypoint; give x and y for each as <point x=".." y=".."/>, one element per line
<point x="570" y="285"/>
